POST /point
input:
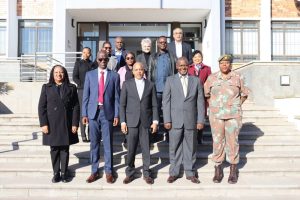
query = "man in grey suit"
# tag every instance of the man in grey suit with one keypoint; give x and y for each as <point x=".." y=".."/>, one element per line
<point x="183" y="111"/>
<point x="138" y="114"/>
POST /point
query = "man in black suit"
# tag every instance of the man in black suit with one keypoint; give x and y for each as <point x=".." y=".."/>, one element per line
<point x="179" y="48"/>
<point x="138" y="114"/>
<point x="120" y="52"/>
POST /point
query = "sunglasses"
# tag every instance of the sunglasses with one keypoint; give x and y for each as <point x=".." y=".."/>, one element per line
<point x="130" y="58"/>
<point x="107" y="47"/>
<point x="103" y="59"/>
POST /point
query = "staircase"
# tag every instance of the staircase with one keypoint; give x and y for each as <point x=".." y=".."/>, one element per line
<point x="269" y="164"/>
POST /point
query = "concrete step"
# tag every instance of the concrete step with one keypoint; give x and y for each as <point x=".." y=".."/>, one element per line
<point x="83" y="156"/>
<point x="248" y="187"/>
<point x="158" y="168"/>
<point x="246" y="145"/>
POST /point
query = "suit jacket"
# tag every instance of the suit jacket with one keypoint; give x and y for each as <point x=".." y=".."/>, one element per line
<point x="186" y="50"/>
<point x="133" y="110"/>
<point x="122" y="59"/>
<point x="111" y="95"/>
<point x="179" y="110"/>
<point x="79" y="71"/>
<point x="59" y="112"/>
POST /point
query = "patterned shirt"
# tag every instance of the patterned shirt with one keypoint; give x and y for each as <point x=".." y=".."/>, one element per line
<point x="225" y="95"/>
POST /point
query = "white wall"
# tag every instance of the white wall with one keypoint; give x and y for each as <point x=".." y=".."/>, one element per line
<point x="211" y="43"/>
<point x="265" y="31"/>
<point x="12" y="29"/>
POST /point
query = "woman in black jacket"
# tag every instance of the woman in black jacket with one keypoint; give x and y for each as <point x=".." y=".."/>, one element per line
<point x="59" y="118"/>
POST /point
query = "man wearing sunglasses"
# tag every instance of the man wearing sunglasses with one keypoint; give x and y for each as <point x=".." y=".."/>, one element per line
<point x="100" y="109"/>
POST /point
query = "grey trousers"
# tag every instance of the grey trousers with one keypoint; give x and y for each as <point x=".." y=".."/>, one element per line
<point x="182" y="146"/>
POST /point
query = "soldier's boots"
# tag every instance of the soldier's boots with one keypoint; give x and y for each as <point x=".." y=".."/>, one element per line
<point x="233" y="176"/>
<point x="218" y="174"/>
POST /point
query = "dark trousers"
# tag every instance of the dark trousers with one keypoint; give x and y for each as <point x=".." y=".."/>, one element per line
<point x="135" y="135"/>
<point x="59" y="158"/>
<point x="100" y="127"/>
<point x="82" y="126"/>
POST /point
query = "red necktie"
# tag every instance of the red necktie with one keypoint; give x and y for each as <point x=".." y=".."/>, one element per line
<point x="101" y="88"/>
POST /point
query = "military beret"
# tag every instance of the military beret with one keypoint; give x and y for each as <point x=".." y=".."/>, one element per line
<point x="226" y="57"/>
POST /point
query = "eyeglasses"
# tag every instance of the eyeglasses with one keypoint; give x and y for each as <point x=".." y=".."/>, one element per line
<point x="107" y="47"/>
<point x="162" y="42"/>
<point x="130" y="58"/>
<point x="103" y="59"/>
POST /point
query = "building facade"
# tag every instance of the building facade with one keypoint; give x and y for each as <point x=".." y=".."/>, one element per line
<point x="261" y="30"/>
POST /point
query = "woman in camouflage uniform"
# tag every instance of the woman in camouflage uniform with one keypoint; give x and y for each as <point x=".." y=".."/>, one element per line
<point x="225" y="92"/>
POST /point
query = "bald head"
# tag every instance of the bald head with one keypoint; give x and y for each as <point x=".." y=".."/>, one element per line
<point x="102" y="59"/>
<point x="138" y="70"/>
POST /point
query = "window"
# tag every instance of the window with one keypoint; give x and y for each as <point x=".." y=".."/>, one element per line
<point x="35" y="36"/>
<point x="242" y="40"/>
<point x="286" y="41"/>
<point x="2" y="37"/>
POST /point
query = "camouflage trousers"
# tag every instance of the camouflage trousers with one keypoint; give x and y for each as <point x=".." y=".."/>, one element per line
<point x="225" y="134"/>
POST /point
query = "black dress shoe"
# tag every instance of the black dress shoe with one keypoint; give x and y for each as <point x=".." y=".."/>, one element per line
<point x="64" y="178"/>
<point x="56" y="178"/>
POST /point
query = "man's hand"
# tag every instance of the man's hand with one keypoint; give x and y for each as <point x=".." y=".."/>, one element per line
<point x="85" y="120"/>
<point x="116" y="121"/>
<point x="124" y="128"/>
<point x="168" y="126"/>
<point x="154" y="128"/>
<point x="74" y="129"/>
<point x="45" y="129"/>
<point x="200" y="126"/>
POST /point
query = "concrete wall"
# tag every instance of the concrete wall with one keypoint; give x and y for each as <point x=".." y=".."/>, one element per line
<point x="264" y="81"/>
<point x="21" y="98"/>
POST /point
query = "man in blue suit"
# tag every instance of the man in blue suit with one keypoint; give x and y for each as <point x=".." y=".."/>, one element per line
<point x="100" y="109"/>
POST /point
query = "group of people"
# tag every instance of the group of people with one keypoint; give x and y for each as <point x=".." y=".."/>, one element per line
<point x="169" y="91"/>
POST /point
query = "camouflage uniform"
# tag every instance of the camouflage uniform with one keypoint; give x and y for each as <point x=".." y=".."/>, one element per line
<point x="225" y="114"/>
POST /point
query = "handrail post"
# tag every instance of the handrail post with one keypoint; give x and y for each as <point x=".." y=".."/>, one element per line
<point x="35" y="66"/>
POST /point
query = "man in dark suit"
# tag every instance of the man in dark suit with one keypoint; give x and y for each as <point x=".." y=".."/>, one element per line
<point x="100" y="108"/>
<point x="138" y="114"/>
<point x="119" y="52"/>
<point x="81" y="67"/>
<point x="183" y="108"/>
<point x="179" y="48"/>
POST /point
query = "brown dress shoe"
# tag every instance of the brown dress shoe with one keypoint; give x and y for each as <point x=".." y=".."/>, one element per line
<point x="128" y="179"/>
<point x="218" y="174"/>
<point x="93" y="177"/>
<point x="149" y="180"/>
<point x="193" y="179"/>
<point x="172" y="179"/>
<point x="233" y="176"/>
<point x="110" y="178"/>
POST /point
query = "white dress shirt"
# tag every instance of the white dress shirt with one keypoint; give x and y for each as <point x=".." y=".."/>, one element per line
<point x="178" y="46"/>
<point x="140" y="85"/>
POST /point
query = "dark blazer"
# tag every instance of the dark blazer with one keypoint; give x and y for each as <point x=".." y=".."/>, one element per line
<point x="153" y="65"/>
<point x="60" y="113"/>
<point x="141" y="58"/>
<point x="186" y="50"/>
<point x="183" y="112"/>
<point x="122" y="59"/>
<point x="79" y="71"/>
<point x="111" y="95"/>
<point x="133" y="110"/>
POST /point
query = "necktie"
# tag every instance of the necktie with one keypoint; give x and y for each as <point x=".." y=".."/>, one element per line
<point x="184" y="85"/>
<point x="101" y="88"/>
